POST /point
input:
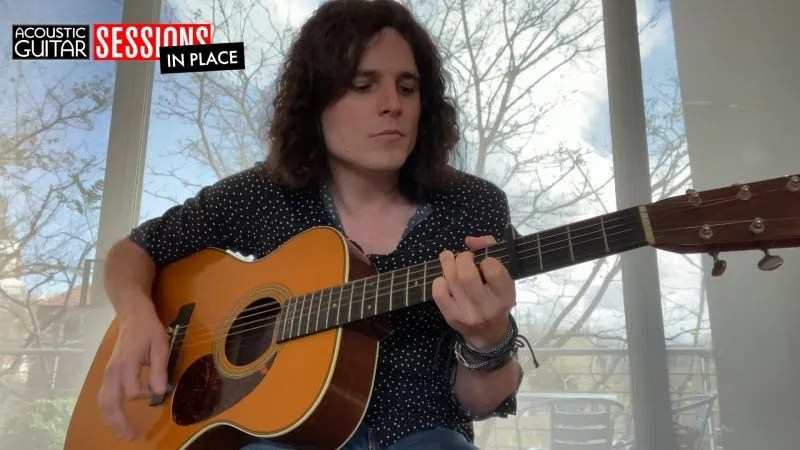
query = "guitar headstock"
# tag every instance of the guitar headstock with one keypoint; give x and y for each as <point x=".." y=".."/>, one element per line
<point x="752" y="216"/>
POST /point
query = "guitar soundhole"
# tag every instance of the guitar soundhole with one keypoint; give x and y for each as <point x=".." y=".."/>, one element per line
<point x="251" y="332"/>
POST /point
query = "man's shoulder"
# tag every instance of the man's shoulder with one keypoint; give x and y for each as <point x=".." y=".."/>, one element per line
<point x="469" y="187"/>
<point x="253" y="175"/>
<point x="252" y="180"/>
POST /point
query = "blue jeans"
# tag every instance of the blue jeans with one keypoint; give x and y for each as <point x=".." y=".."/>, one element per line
<point x="436" y="439"/>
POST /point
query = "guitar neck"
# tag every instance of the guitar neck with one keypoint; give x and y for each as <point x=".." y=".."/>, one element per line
<point x="390" y="291"/>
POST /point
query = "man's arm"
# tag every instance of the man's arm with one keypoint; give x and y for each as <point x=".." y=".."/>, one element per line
<point x="481" y="393"/>
<point x="129" y="275"/>
<point x="141" y="340"/>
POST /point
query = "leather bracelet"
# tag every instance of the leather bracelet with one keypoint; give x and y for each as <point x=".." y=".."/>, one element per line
<point x="501" y="347"/>
<point x="490" y="359"/>
<point x="486" y="365"/>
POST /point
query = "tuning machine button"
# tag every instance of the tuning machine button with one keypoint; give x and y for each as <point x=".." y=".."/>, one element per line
<point x="719" y="265"/>
<point x="769" y="262"/>
<point x="793" y="185"/>
<point x="757" y="226"/>
<point x="706" y="232"/>
<point x="694" y="197"/>
<point x="744" y="193"/>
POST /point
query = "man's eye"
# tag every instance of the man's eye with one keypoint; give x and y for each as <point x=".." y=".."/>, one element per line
<point x="407" y="89"/>
<point x="361" y="87"/>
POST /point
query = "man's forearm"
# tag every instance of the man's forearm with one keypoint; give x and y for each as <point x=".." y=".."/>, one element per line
<point x="483" y="392"/>
<point x="129" y="275"/>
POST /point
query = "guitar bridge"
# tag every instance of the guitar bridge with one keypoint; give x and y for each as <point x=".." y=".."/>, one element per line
<point x="176" y="332"/>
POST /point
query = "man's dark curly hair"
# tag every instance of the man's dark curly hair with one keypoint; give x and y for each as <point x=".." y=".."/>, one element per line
<point x="319" y="69"/>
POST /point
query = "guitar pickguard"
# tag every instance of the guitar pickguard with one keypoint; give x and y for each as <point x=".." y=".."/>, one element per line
<point x="202" y="392"/>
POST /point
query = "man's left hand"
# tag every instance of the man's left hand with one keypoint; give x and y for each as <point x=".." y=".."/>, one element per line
<point x="478" y="311"/>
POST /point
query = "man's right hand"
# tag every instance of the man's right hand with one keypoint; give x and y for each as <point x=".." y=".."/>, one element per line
<point x="141" y="341"/>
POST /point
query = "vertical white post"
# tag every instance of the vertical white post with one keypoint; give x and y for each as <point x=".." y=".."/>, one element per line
<point x="644" y="321"/>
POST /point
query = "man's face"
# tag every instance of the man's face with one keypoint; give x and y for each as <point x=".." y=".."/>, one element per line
<point x="373" y="126"/>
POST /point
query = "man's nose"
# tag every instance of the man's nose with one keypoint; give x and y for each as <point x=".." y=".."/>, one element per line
<point x="389" y="100"/>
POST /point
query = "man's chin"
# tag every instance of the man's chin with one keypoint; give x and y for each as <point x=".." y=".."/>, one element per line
<point x="384" y="164"/>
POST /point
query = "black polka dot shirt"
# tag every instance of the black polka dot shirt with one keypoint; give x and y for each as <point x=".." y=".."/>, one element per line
<point x="248" y="214"/>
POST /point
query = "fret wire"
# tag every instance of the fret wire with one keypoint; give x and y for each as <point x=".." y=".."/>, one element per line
<point x="539" y="246"/>
<point x="377" y="288"/>
<point x="391" y="289"/>
<point x="328" y="310"/>
<point x="319" y="309"/>
<point x="408" y="275"/>
<point x="300" y="317"/>
<point x="289" y="316"/>
<point x="339" y="306"/>
<point x="350" y="306"/>
<point x="309" y="328"/>
<point x="308" y="318"/>
<point x="294" y="310"/>
<point x="605" y="238"/>
<point x="363" y="297"/>
<point x="569" y="244"/>
<point x="294" y="314"/>
<point x="307" y="315"/>
<point x="424" y="281"/>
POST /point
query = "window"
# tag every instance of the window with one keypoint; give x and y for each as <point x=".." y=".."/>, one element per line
<point x="53" y="143"/>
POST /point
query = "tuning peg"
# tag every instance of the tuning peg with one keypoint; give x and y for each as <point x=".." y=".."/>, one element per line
<point x="769" y="262"/>
<point x="744" y="193"/>
<point x="793" y="184"/>
<point x="719" y="265"/>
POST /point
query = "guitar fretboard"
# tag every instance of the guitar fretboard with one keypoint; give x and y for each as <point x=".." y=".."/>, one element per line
<point x="390" y="291"/>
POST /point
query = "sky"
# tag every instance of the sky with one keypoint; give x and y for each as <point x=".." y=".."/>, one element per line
<point x="581" y="120"/>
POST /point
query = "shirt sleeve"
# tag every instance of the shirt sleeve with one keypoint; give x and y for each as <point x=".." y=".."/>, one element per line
<point x="494" y="215"/>
<point x="202" y="221"/>
<point x="506" y="408"/>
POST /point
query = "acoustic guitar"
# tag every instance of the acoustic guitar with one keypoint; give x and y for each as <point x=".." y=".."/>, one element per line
<point x="285" y="347"/>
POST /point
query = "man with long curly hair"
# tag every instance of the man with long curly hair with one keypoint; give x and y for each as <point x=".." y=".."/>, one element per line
<point x="361" y="138"/>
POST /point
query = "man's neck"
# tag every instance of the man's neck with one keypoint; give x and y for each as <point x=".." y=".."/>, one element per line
<point x="356" y="190"/>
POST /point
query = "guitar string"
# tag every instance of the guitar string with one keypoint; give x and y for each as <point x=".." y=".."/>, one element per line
<point x="732" y="198"/>
<point x="380" y="292"/>
<point x="385" y="290"/>
<point x="521" y="246"/>
<point x="369" y="287"/>
<point x="249" y="339"/>
<point x="522" y="249"/>
<point x="616" y="219"/>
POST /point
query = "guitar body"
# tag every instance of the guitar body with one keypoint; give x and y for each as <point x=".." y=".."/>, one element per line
<point x="310" y="392"/>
